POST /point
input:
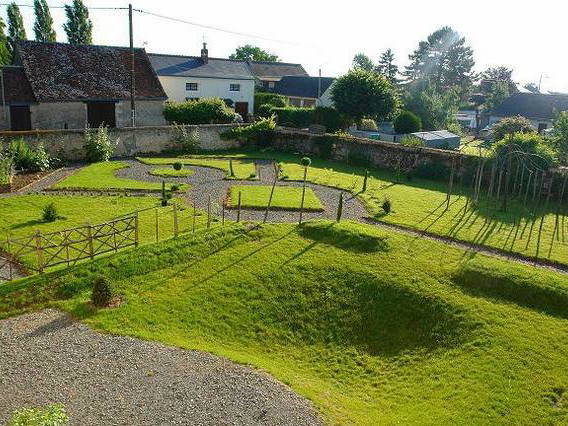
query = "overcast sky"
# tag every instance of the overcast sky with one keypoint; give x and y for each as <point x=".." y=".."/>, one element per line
<point x="530" y="37"/>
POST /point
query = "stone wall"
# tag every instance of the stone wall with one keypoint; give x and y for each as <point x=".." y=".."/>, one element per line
<point x="129" y="141"/>
<point x="148" y="113"/>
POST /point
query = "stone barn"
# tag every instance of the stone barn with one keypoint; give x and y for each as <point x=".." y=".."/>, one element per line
<point x="63" y="86"/>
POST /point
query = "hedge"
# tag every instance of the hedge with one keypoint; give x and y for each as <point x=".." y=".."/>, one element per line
<point x="202" y="111"/>
<point x="294" y="117"/>
<point x="265" y="98"/>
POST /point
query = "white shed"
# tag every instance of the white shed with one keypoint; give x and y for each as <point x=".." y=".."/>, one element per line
<point x="439" y="139"/>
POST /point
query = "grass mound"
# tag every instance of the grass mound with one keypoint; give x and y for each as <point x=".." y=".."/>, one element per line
<point x="377" y="328"/>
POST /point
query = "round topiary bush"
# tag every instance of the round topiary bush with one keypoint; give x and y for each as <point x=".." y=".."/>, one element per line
<point x="178" y="165"/>
<point x="407" y="122"/>
<point x="387" y="205"/>
<point x="102" y="293"/>
<point x="306" y="161"/>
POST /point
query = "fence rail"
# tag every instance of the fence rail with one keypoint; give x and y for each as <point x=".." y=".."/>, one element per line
<point x="70" y="246"/>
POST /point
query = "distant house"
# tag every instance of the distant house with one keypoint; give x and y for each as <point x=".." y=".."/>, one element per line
<point x="195" y="77"/>
<point x="268" y="74"/>
<point x="538" y="108"/>
<point x="303" y="91"/>
<point x="60" y="86"/>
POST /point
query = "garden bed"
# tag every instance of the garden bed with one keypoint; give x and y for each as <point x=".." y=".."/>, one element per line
<point x="284" y="198"/>
<point x="242" y="169"/>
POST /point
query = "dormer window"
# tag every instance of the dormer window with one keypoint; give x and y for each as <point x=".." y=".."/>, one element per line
<point x="191" y="87"/>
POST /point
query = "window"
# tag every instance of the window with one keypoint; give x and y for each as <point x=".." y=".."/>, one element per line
<point x="234" y="87"/>
<point x="309" y="103"/>
<point x="295" y="102"/>
<point x="191" y="99"/>
<point x="191" y="87"/>
<point x="271" y="85"/>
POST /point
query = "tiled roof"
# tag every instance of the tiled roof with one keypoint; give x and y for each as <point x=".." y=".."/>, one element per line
<point x="193" y="66"/>
<point x="532" y="105"/>
<point x="262" y="69"/>
<point x="17" y="88"/>
<point x="64" y="72"/>
<point x="305" y="87"/>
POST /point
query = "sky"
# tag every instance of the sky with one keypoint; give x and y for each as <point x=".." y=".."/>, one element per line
<point x="529" y="37"/>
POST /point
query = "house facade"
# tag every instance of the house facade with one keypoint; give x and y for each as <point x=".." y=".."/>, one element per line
<point x="307" y="92"/>
<point x="194" y="77"/>
<point x="62" y="86"/>
<point x="540" y="109"/>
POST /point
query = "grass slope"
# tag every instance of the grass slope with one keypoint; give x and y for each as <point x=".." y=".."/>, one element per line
<point x="101" y="176"/>
<point x="289" y="198"/>
<point x="243" y="169"/>
<point x="165" y="172"/>
<point x="375" y="327"/>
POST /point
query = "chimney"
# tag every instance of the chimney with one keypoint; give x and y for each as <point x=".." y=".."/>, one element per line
<point x="204" y="53"/>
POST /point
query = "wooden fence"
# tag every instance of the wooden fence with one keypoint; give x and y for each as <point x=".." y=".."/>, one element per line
<point x="69" y="246"/>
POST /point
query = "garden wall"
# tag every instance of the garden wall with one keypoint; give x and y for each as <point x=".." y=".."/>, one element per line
<point x="130" y="141"/>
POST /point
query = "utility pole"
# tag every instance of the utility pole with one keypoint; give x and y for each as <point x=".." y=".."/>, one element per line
<point x="319" y="86"/>
<point x="132" y="79"/>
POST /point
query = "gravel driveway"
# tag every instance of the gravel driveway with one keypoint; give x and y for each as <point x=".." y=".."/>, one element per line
<point x="46" y="357"/>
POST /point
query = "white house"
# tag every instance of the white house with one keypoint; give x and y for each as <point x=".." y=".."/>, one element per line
<point x="195" y="77"/>
<point x="305" y="91"/>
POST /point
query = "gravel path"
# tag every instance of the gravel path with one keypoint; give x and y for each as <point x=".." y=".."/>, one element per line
<point x="46" y="357"/>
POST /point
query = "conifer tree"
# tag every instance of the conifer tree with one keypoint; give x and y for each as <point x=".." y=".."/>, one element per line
<point x="16" y="30"/>
<point x="43" y="26"/>
<point x="79" y="28"/>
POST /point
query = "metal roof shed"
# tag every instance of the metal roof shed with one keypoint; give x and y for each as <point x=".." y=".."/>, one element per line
<point x="439" y="139"/>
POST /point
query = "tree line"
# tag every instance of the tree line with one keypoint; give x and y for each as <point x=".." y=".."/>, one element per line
<point x="78" y="27"/>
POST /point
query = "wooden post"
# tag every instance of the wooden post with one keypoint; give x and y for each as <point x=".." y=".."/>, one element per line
<point x="157" y="226"/>
<point x="365" y="181"/>
<point x="136" y="229"/>
<point x="208" y="211"/>
<point x="340" y="206"/>
<point x="303" y="194"/>
<point x="90" y="238"/>
<point x="271" y="195"/>
<point x="39" y="251"/>
<point x="194" y="214"/>
<point x="239" y="208"/>
<point x="9" y="257"/>
<point x="451" y="184"/>
<point x="175" y="221"/>
<point x="222" y="213"/>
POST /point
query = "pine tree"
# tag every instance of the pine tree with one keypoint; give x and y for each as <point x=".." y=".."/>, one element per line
<point x="5" y="56"/>
<point x="43" y="26"/>
<point x="79" y="28"/>
<point x="362" y="61"/>
<point x="387" y="67"/>
<point x="16" y="30"/>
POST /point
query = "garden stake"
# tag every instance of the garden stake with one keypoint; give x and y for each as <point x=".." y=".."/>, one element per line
<point x="365" y="180"/>
<point x="157" y="226"/>
<point x="39" y="251"/>
<point x="193" y="225"/>
<point x="270" y="198"/>
<point x="209" y="212"/>
<point x="222" y="213"/>
<point x="231" y="172"/>
<point x="136" y="230"/>
<point x="175" y="220"/>
<point x="8" y="257"/>
<point x="90" y="238"/>
<point x="340" y="207"/>
<point x="239" y="208"/>
<point x="305" y="162"/>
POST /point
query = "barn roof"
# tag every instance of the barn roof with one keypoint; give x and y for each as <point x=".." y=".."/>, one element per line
<point x="17" y="88"/>
<point x="63" y="72"/>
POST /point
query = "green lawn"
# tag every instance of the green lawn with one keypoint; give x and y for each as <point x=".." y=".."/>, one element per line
<point x="375" y="327"/>
<point x="284" y="197"/>
<point x="242" y="168"/>
<point x="165" y="172"/>
<point x="21" y="216"/>
<point x="101" y="176"/>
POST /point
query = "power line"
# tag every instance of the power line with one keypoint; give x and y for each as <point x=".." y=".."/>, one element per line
<point x="63" y="7"/>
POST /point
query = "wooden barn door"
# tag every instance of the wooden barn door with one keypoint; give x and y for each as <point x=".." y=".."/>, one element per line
<point x="242" y="109"/>
<point x="20" y="117"/>
<point x="101" y="113"/>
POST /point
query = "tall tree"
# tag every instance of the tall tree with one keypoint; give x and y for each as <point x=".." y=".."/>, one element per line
<point x="437" y="109"/>
<point x="5" y="56"/>
<point x="498" y="92"/>
<point x="387" y="67"/>
<point x="79" y="28"/>
<point x="498" y="74"/>
<point x="363" y="62"/>
<point x="43" y="26"/>
<point x="248" y="52"/>
<point x="16" y="30"/>
<point x="532" y="87"/>
<point x="445" y="60"/>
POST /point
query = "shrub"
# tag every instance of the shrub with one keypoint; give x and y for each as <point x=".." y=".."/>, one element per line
<point x="52" y="415"/>
<point x="266" y="98"/>
<point x="511" y="125"/>
<point x="6" y="169"/>
<point x="368" y="125"/>
<point x="42" y="160"/>
<point x="387" y="205"/>
<point x="407" y="122"/>
<point x="175" y="187"/>
<point x="412" y="141"/>
<point x="102" y="293"/>
<point x="49" y="213"/>
<point x="265" y="111"/>
<point x="294" y="117"/>
<point x="259" y="131"/>
<point x="306" y="161"/>
<point x="178" y="165"/>
<point x="330" y="118"/>
<point x="533" y="144"/>
<point x="186" y="139"/>
<point x="202" y="111"/>
<point x="98" y="146"/>
<point x="25" y="158"/>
